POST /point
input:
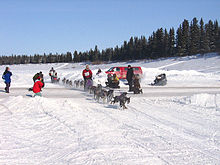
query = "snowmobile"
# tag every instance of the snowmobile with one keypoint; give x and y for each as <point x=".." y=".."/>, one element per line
<point x="160" y="80"/>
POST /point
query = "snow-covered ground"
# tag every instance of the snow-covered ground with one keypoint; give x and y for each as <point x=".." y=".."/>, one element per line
<point x="72" y="128"/>
<point x="182" y="72"/>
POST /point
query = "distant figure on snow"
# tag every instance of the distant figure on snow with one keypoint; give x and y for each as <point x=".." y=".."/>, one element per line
<point x="87" y="75"/>
<point x="38" y="85"/>
<point x="137" y="87"/>
<point x="52" y="74"/>
<point x="37" y="75"/>
<point x="7" y="77"/>
<point x="129" y="77"/>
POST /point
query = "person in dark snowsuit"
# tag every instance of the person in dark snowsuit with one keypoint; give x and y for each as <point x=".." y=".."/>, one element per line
<point x="7" y="77"/>
<point x="36" y="77"/>
<point x="137" y="87"/>
<point x="129" y="77"/>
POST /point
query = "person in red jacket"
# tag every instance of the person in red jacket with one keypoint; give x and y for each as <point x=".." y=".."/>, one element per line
<point x="87" y="75"/>
<point x="37" y="86"/>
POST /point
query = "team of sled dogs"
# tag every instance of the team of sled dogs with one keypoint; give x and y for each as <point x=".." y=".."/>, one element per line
<point x="100" y="93"/>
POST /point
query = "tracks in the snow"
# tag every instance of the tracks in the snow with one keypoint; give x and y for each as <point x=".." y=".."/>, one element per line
<point x="148" y="92"/>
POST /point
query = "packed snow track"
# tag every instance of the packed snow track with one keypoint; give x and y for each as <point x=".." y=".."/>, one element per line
<point x="148" y="92"/>
<point x="79" y="130"/>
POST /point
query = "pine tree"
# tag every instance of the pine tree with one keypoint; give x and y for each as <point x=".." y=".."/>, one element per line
<point x="204" y="47"/>
<point x="171" y="44"/>
<point x="116" y="54"/>
<point x="185" y="38"/>
<point x="144" y="44"/>
<point x="218" y="41"/>
<point x="179" y="44"/>
<point x="69" y="56"/>
<point x="124" y="52"/>
<point x="75" y="56"/>
<point x="216" y="34"/>
<point x="210" y="35"/>
<point x="165" y="44"/>
<point x="91" y="55"/>
<point x="194" y="37"/>
<point x="130" y="54"/>
<point x="159" y="43"/>
<point x="96" y="54"/>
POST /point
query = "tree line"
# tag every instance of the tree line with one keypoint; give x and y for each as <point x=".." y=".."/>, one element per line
<point x="190" y="38"/>
<point x="36" y="59"/>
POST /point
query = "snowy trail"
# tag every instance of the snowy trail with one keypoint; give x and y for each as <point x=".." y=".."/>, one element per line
<point x="82" y="131"/>
<point x="62" y="92"/>
<point x="178" y="124"/>
<point x="165" y="66"/>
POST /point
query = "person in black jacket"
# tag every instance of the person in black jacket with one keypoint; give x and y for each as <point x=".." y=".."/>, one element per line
<point x="129" y="77"/>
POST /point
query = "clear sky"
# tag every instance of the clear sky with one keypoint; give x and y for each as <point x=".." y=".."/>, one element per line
<point x="38" y="26"/>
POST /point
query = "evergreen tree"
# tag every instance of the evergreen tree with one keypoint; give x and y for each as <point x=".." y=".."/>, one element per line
<point x="96" y="54"/>
<point x="144" y="44"/>
<point x="194" y="37"/>
<point x="204" y="47"/>
<point x="185" y="38"/>
<point x="76" y="56"/>
<point x="159" y="43"/>
<point x="179" y="44"/>
<point x="171" y="44"/>
<point x="116" y="54"/>
<point x="69" y="56"/>
<point x="189" y="40"/>
<point x="210" y="35"/>
<point x="165" y="44"/>
<point x="130" y="52"/>
<point x="216" y="34"/>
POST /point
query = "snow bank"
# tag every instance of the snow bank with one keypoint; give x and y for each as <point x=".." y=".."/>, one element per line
<point x="204" y="100"/>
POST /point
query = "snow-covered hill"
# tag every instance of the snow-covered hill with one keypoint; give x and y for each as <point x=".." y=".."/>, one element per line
<point x="187" y="71"/>
<point x="77" y="130"/>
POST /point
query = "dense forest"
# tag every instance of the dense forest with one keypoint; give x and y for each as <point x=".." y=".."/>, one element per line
<point x="190" y="38"/>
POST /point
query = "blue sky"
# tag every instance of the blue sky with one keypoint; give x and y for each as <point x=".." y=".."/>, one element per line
<point x="38" y="26"/>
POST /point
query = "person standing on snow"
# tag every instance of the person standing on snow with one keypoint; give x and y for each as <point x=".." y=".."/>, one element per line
<point x="38" y="86"/>
<point x="7" y="77"/>
<point x="52" y="74"/>
<point x="129" y="77"/>
<point x="87" y="75"/>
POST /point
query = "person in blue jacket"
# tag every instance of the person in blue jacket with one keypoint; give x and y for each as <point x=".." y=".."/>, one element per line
<point x="7" y="77"/>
